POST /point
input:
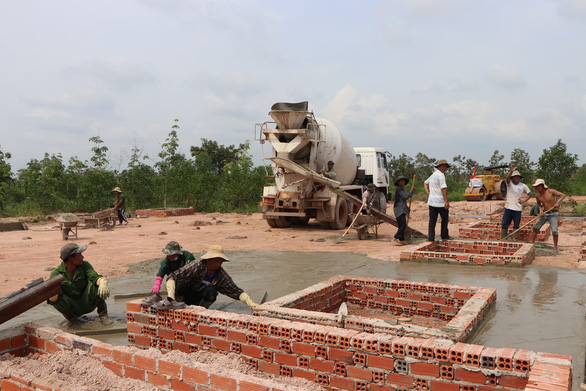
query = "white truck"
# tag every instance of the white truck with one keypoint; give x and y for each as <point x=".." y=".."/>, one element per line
<point x="301" y="147"/>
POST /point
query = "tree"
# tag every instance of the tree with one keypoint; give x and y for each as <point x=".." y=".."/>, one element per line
<point x="219" y="154"/>
<point x="497" y="160"/>
<point x="556" y="166"/>
<point x="169" y="159"/>
<point x="99" y="159"/>
<point x="401" y="165"/>
<point x="5" y="176"/>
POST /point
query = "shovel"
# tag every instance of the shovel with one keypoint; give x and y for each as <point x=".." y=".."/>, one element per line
<point x="353" y="221"/>
<point x="264" y="298"/>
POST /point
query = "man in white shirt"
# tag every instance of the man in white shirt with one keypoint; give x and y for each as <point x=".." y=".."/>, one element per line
<point x="437" y="192"/>
<point x="517" y="194"/>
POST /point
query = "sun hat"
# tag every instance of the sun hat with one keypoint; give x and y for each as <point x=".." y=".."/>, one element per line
<point x="399" y="178"/>
<point x="371" y="186"/>
<point x="70" y="249"/>
<point x="172" y="248"/>
<point x="442" y="161"/>
<point x="117" y="189"/>
<point x="215" y="251"/>
<point x="539" y="182"/>
<point x="516" y="173"/>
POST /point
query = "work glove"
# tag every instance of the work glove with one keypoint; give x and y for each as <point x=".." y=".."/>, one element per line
<point x="157" y="286"/>
<point x="247" y="300"/>
<point x="103" y="290"/>
<point x="171" y="288"/>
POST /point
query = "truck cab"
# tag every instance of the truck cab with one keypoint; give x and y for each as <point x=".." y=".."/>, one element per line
<point x="374" y="163"/>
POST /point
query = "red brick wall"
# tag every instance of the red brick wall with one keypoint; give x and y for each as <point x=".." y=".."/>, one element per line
<point x="343" y="359"/>
<point x="492" y="231"/>
<point x="407" y="298"/>
<point x="158" y="372"/>
<point x="165" y="212"/>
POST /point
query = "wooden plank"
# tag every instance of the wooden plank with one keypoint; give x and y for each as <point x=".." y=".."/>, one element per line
<point x="28" y="298"/>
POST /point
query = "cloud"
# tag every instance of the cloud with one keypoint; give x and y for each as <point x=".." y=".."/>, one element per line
<point x="433" y="8"/>
<point x="572" y="10"/>
<point x="113" y="73"/>
<point x="505" y="77"/>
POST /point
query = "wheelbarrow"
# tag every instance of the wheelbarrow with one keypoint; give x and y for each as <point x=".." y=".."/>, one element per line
<point x="365" y="225"/>
<point x="68" y="224"/>
<point x="109" y="216"/>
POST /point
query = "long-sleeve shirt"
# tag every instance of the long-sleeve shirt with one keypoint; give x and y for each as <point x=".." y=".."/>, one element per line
<point x="401" y="198"/>
<point x="194" y="273"/>
<point x="168" y="267"/>
<point x="75" y="287"/>
<point x="368" y="197"/>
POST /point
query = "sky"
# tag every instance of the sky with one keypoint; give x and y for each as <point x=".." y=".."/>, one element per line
<point x="443" y="78"/>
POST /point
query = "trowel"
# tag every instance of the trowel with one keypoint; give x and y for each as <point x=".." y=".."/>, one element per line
<point x="264" y="298"/>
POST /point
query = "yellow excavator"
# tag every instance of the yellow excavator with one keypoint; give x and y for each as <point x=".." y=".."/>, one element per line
<point x="486" y="185"/>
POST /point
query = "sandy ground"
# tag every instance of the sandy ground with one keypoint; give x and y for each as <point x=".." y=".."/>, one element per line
<point x="28" y="255"/>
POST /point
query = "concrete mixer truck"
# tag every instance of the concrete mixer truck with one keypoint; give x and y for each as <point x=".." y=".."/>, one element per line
<point x="301" y="147"/>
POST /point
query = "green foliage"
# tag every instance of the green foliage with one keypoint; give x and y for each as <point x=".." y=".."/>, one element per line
<point x="524" y="164"/>
<point x="578" y="183"/>
<point x="556" y="166"/>
<point x="5" y="176"/>
<point x="219" y="154"/>
<point x="99" y="159"/>
<point x="496" y="160"/>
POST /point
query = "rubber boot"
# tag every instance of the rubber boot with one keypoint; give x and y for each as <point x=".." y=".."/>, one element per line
<point x="515" y="237"/>
<point x="504" y="233"/>
<point x="103" y="312"/>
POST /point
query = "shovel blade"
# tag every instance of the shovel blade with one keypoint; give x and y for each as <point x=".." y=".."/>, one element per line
<point x="264" y="298"/>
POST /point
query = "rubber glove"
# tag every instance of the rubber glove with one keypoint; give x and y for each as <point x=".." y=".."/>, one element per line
<point x="157" y="286"/>
<point x="171" y="288"/>
<point x="103" y="290"/>
<point x="247" y="300"/>
<point x="53" y="299"/>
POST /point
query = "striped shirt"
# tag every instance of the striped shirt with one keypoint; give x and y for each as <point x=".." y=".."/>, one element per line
<point x="194" y="273"/>
<point x="436" y="182"/>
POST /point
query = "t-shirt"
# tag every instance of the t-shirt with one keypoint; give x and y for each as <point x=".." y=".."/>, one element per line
<point x="436" y="182"/>
<point x="514" y="192"/>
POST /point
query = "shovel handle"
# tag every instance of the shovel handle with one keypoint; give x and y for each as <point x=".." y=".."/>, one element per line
<point x="353" y="221"/>
<point x="526" y="224"/>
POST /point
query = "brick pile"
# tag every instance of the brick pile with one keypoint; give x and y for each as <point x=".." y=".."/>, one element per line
<point x="583" y="252"/>
<point x="462" y="307"/>
<point x="346" y="359"/>
<point x="492" y="231"/>
<point x="471" y="253"/>
<point x="164" y="212"/>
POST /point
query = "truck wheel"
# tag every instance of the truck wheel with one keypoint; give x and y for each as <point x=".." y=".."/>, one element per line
<point x="283" y="222"/>
<point x="380" y="202"/>
<point x="272" y="223"/>
<point x="341" y="214"/>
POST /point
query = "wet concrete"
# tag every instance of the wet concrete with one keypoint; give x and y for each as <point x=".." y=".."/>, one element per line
<point x="538" y="308"/>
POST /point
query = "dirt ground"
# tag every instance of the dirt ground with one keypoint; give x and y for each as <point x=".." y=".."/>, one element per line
<point x="28" y="255"/>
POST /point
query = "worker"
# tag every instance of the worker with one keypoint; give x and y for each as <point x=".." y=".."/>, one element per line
<point x="120" y="205"/>
<point x="400" y="208"/>
<point x="517" y="194"/>
<point x="330" y="172"/>
<point x="206" y="278"/>
<point x="437" y="192"/>
<point x="175" y="258"/>
<point x="82" y="289"/>
<point x="548" y="201"/>
<point x="368" y="197"/>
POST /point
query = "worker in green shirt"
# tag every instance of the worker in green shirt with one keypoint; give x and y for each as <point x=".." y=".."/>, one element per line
<point x="83" y="289"/>
<point x="175" y="258"/>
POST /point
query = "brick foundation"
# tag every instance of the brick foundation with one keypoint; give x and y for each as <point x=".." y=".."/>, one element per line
<point x="461" y="307"/>
<point x="32" y="339"/>
<point x="492" y="231"/>
<point x="346" y="359"/>
<point x="164" y="212"/>
<point x="472" y="253"/>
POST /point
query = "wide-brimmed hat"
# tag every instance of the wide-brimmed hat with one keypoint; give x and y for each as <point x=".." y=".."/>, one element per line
<point x="399" y="178"/>
<point x="215" y="251"/>
<point x="516" y="173"/>
<point x="442" y="161"/>
<point x="71" y="249"/>
<point x="539" y="182"/>
<point x="172" y="248"/>
<point x="117" y="189"/>
<point x="371" y="186"/>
